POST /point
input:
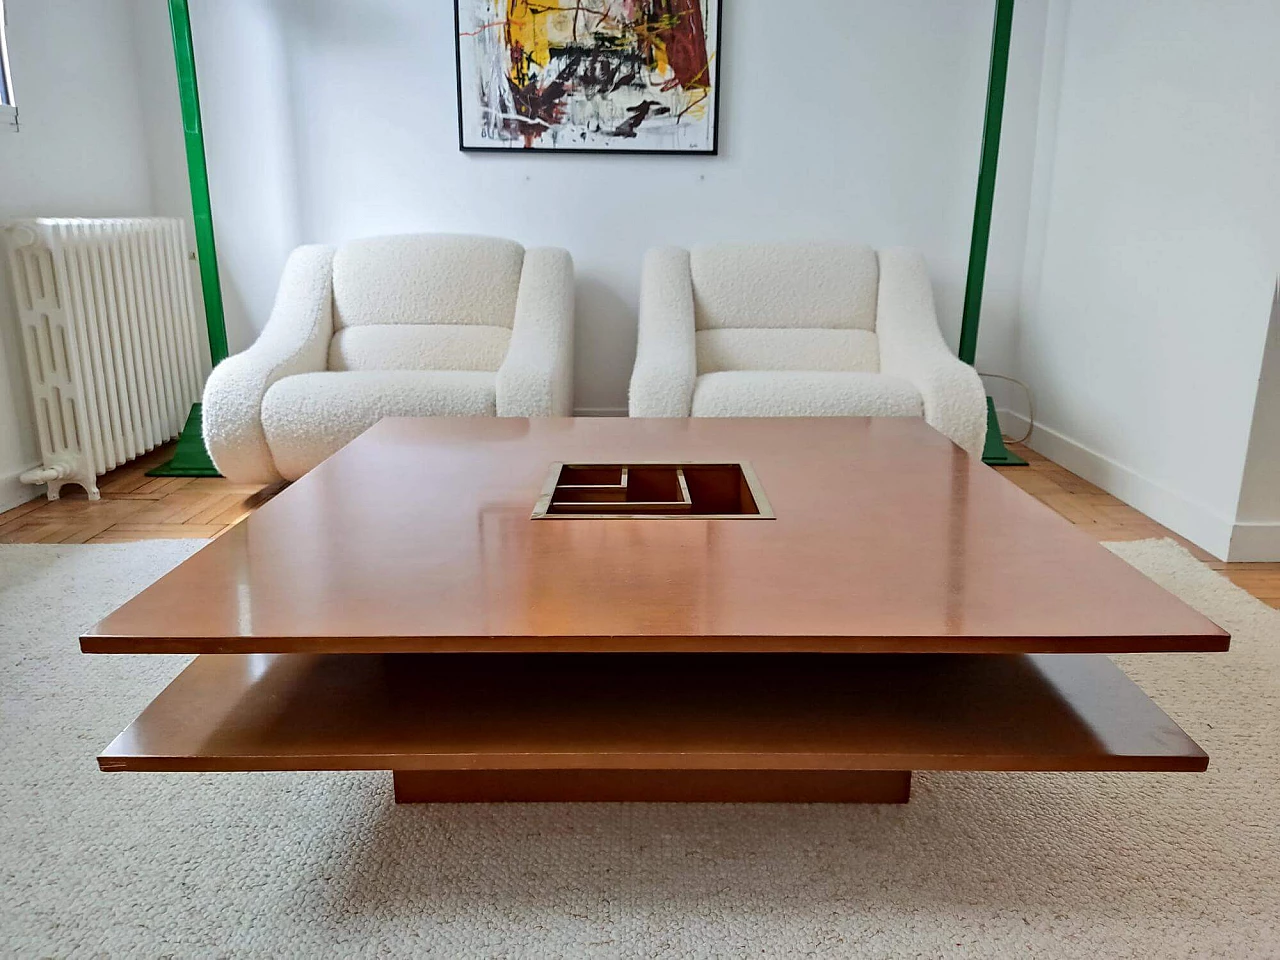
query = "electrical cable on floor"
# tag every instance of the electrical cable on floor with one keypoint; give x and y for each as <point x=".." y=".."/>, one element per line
<point x="1031" y="411"/>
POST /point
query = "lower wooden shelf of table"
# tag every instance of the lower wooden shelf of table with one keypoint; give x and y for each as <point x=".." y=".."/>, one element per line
<point x="652" y="727"/>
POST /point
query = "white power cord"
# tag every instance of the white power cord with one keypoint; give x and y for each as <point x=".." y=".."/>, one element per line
<point x="1031" y="411"/>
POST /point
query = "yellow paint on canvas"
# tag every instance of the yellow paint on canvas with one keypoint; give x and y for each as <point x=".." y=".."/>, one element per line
<point x="661" y="62"/>
<point x="697" y="110"/>
<point x="527" y="29"/>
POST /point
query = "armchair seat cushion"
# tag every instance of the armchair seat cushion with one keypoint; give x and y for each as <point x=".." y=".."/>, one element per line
<point x="756" y="393"/>
<point x="309" y="416"/>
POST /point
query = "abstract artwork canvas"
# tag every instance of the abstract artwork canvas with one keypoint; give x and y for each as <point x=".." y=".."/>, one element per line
<point x="597" y="76"/>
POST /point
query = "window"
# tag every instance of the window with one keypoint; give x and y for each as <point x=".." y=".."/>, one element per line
<point x="8" y="108"/>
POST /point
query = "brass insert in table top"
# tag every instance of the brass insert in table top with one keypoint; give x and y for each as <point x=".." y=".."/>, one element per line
<point x="656" y="490"/>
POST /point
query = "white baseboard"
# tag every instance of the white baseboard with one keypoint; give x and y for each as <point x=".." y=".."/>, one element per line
<point x="14" y="493"/>
<point x="1187" y="518"/>
<point x="1255" y="543"/>
<point x="599" y="411"/>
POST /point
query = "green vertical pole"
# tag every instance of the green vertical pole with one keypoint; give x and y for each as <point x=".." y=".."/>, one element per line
<point x="184" y="55"/>
<point x="190" y="458"/>
<point x="1001" y="34"/>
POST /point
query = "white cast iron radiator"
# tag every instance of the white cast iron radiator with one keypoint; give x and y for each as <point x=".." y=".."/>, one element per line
<point x="114" y="352"/>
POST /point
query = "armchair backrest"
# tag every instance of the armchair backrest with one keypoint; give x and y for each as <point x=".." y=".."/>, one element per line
<point x="785" y="307"/>
<point x="424" y="302"/>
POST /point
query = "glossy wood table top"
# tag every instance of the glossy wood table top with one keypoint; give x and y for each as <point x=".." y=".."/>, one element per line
<point x="418" y="537"/>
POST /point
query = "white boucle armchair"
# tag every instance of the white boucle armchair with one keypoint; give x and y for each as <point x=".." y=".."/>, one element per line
<point x="798" y="331"/>
<point x="415" y="325"/>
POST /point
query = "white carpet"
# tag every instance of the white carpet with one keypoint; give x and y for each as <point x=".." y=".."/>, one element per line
<point x="308" y="865"/>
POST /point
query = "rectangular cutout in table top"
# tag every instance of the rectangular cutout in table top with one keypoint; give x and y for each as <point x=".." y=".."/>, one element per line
<point x="667" y="491"/>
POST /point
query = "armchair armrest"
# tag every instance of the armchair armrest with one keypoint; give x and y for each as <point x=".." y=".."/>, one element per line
<point x="911" y="347"/>
<point x="666" y="349"/>
<point x="536" y="377"/>
<point x="295" y="340"/>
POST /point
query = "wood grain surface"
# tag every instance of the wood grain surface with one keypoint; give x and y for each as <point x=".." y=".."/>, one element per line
<point x="652" y="712"/>
<point x="418" y="537"/>
<point x="179" y="508"/>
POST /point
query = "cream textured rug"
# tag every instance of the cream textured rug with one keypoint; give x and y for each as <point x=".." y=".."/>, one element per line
<point x="309" y="865"/>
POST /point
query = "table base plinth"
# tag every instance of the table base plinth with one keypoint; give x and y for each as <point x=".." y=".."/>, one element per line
<point x="652" y="786"/>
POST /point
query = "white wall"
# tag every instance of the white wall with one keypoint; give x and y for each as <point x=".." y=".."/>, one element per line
<point x="1256" y="535"/>
<point x="80" y="152"/>
<point x="1155" y="242"/>
<point x="327" y="120"/>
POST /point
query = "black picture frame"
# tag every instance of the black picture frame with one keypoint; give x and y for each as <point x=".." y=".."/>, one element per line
<point x="592" y="151"/>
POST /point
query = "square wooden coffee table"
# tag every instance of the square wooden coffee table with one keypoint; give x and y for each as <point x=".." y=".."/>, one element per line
<point x="613" y="609"/>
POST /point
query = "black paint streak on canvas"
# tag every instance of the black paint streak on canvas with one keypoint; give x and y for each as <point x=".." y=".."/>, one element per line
<point x="639" y="113"/>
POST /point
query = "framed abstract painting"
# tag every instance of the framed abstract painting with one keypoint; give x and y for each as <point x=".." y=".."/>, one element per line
<point x="588" y="76"/>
